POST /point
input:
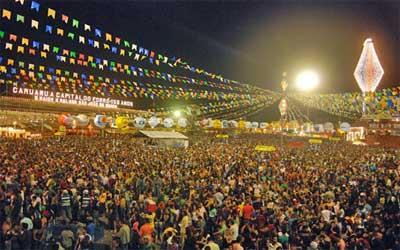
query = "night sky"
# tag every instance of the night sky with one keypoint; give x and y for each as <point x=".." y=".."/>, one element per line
<point x="255" y="41"/>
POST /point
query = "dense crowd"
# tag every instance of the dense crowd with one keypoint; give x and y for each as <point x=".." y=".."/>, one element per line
<point x="99" y="193"/>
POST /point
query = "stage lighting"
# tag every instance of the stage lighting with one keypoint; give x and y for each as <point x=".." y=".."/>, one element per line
<point x="307" y="80"/>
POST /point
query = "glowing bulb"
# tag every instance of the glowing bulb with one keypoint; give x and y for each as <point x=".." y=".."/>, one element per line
<point x="177" y="113"/>
<point x="307" y="80"/>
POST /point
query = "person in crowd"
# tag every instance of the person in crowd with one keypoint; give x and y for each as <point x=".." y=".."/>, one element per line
<point x="83" y="193"/>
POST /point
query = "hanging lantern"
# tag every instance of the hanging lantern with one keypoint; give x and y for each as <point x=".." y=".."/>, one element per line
<point x="369" y="71"/>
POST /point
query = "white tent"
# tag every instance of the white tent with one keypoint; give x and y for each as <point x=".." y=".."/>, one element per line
<point x="166" y="138"/>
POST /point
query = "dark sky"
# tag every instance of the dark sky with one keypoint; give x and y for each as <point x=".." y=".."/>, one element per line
<point x="255" y="41"/>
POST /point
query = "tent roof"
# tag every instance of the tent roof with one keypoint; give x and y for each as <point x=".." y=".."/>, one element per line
<point x="163" y="134"/>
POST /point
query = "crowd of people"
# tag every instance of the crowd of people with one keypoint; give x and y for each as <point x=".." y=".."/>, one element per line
<point x="117" y="193"/>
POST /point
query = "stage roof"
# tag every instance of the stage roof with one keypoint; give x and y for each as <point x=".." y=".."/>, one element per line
<point x="163" y="134"/>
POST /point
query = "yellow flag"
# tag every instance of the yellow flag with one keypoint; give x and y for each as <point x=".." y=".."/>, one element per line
<point x="25" y="41"/>
<point x="6" y="14"/>
<point x="51" y="13"/>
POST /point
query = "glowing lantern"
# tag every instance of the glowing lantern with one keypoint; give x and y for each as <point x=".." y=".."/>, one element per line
<point x="369" y="71"/>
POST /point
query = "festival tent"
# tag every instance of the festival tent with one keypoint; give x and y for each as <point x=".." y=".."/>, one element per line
<point x="165" y="138"/>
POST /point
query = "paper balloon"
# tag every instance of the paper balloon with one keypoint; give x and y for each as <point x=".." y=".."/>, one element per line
<point x="82" y="120"/>
<point x="100" y="121"/>
<point x="121" y="122"/>
<point x="263" y="125"/>
<point x="242" y="124"/>
<point x="319" y="128"/>
<point x="225" y="123"/>
<point x="140" y="122"/>
<point x="217" y="124"/>
<point x="182" y="122"/>
<point x="345" y="126"/>
<point x="233" y="124"/>
<point x="328" y="126"/>
<point x="153" y="122"/>
<point x="204" y="122"/>
<point x="168" y="122"/>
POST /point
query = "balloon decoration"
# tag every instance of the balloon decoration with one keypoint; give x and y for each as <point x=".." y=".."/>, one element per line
<point x="82" y="120"/>
<point x="263" y="125"/>
<point x="254" y="125"/>
<point x="182" y="122"/>
<point x="168" y="123"/>
<point x="234" y="124"/>
<point x="328" y="126"/>
<point x="345" y="126"/>
<point x="101" y="121"/>
<point x="139" y="122"/>
<point x="216" y="124"/>
<point x="65" y="120"/>
<point x="153" y="121"/>
<point x="121" y="122"/>
<point x="225" y="123"/>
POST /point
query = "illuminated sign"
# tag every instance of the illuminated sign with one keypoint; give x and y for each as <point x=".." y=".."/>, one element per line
<point x="68" y="98"/>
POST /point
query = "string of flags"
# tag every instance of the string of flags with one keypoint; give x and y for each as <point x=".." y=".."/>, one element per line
<point x="43" y="50"/>
<point x="108" y="40"/>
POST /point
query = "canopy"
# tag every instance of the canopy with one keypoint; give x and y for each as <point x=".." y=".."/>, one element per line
<point x="163" y="134"/>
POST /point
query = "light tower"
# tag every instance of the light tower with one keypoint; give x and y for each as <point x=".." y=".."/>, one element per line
<point x="369" y="71"/>
<point x="283" y="106"/>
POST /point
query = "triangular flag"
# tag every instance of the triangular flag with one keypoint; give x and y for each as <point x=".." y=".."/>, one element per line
<point x="75" y="23"/>
<point x="49" y="29"/>
<point x="13" y="37"/>
<point x="60" y="32"/>
<point x="71" y="35"/>
<point x="25" y="41"/>
<point x="87" y="27"/>
<point x="51" y="13"/>
<point x="35" y="24"/>
<point x="96" y="44"/>
<point x="9" y="46"/>
<point x="46" y="47"/>
<point x="35" y="6"/>
<point x="108" y="37"/>
<point x="6" y="14"/>
<point x="64" y="18"/>
<point x="43" y="54"/>
<point x="20" y="49"/>
<point x="20" y="18"/>
<point x="81" y="39"/>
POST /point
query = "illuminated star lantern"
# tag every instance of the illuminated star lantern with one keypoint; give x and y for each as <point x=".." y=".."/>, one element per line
<point x="283" y="107"/>
<point x="369" y="71"/>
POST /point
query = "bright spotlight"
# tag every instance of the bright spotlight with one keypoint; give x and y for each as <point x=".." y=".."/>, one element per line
<point x="307" y="80"/>
<point x="177" y="113"/>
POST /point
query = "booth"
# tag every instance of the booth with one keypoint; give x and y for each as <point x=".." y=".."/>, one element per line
<point x="165" y="138"/>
